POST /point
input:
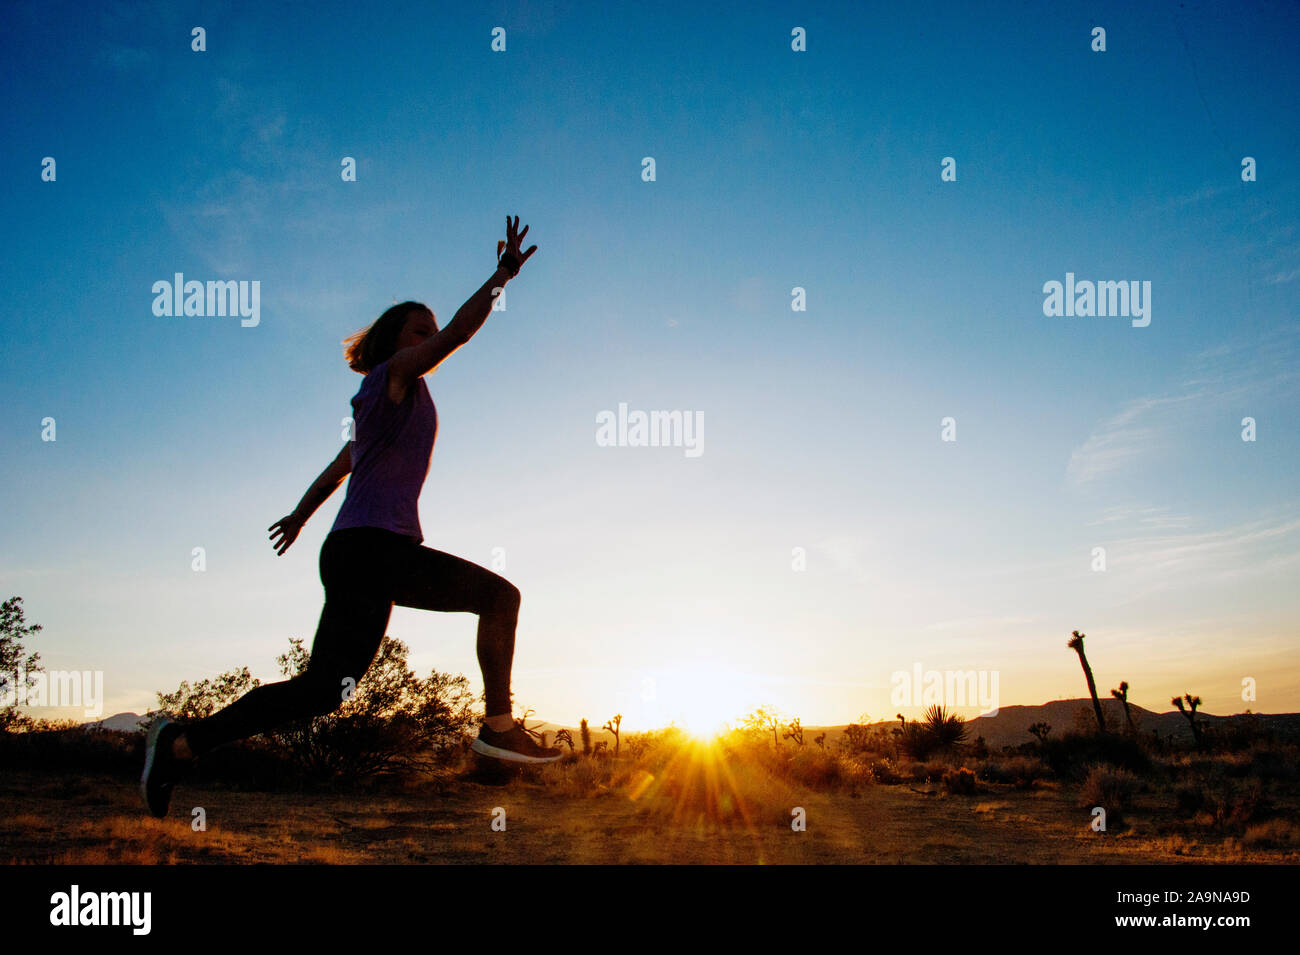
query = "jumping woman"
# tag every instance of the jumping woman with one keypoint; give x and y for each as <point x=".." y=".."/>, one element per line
<point x="373" y="556"/>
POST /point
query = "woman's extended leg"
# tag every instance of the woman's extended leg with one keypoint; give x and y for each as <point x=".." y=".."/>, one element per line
<point x="347" y="639"/>
<point x="432" y="580"/>
<point x="351" y="628"/>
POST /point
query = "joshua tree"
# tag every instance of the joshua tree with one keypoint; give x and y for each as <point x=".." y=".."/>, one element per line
<point x="585" y="732"/>
<point x="1192" y="703"/>
<point x="794" y="732"/>
<point x="1041" y="730"/>
<point x="820" y="740"/>
<point x="1122" y="695"/>
<point x="613" y="726"/>
<point x="1076" y="644"/>
<point x="564" y="736"/>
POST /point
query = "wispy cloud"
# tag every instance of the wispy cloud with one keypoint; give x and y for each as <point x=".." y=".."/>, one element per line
<point x="1195" y="198"/>
<point x="1178" y="560"/>
<point x="1262" y="365"/>
<point x="1149" y="517"/>
<point x="1121" y="439"/>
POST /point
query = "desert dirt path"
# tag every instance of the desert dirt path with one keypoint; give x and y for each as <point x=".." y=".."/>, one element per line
<point x="81" y="819"/>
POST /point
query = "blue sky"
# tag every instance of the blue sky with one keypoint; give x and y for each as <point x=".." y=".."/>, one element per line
<point x="655" y="584"/>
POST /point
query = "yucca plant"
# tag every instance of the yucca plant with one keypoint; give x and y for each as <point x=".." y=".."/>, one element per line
<point x="946" y="729"/>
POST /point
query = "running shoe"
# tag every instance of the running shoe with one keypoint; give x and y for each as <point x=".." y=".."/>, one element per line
<point x="517" y="745"/>
<point x="161" y="768"/>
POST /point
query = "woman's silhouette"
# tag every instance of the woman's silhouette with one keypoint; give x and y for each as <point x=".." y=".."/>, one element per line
<point x="373" y="556"/>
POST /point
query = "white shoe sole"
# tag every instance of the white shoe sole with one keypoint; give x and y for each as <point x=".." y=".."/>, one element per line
<point x="496" y="752"/>
<point x="151" y="750"/>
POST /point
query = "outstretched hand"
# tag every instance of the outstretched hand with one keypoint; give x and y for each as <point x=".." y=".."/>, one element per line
<point x="288" y="528"/>
<point x="513" y="240"/>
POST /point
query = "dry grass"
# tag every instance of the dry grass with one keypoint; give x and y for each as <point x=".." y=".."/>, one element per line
<point x="676" y="802"/>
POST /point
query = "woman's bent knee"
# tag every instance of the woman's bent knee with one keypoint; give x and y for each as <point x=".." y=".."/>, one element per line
<point x="507" y="598"/>
<point x="324" y="694"/>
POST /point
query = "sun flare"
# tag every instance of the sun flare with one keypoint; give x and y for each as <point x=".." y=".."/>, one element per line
<point x="702" y="699"/>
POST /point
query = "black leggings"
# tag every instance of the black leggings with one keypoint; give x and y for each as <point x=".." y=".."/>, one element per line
<point x="365" y="570"/>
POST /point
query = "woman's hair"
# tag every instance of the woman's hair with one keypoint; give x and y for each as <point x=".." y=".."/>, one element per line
<point x="377" y="343"/>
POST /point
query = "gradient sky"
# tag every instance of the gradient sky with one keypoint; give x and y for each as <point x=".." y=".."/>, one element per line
<point x="656" y="584"/>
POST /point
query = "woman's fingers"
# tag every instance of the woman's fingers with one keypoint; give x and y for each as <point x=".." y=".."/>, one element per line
<point x="515" y="238"/>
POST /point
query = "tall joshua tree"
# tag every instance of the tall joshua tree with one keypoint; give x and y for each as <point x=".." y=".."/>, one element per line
<point x="1122" y="695"/>
<point x="1192" y="703"/>
<point x="585" y="731"/>
<point x="1076" y="644"/>
<point x="613" y="726"/>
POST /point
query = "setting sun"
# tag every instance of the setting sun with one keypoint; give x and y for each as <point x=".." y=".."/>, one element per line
<point x="703" y="699"/>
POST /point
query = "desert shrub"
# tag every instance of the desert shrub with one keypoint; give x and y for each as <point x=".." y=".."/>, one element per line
<point x="921" y="772"/>
<point x="636" y="745"/>
<point x="1232" y="804"/>
<point x="1237" y="733"/>
<point x="960" y="782"/>
<point x="854" y="771"/>
<point x="1073" y="755"/>
<point x="57" y="746"/>
<point x="1274" y="763"/>
<point x="1188" y="799"/>
<point x="1275" y="833"/>
<point x="885" y="772"/>
<point x="1112" y="789"/>
<point x="865" y="740"/>
<point x="584" y="777"/>
<point x="814" y="768"/>
<point x="1018" y="770"/>
<point x="654" y="748"/>
<point x="1213" y="797"/>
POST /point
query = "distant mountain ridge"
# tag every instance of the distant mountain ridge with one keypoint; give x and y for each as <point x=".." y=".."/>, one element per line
<point x="1010" y="727"/>
<point x="122" y="722"/>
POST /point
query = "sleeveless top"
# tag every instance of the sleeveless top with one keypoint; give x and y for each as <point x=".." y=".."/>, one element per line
<point x="391" y="450"/>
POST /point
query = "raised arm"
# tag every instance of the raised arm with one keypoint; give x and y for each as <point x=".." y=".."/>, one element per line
<point x="325" y="485"/>
<point x="411" y="363"/>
